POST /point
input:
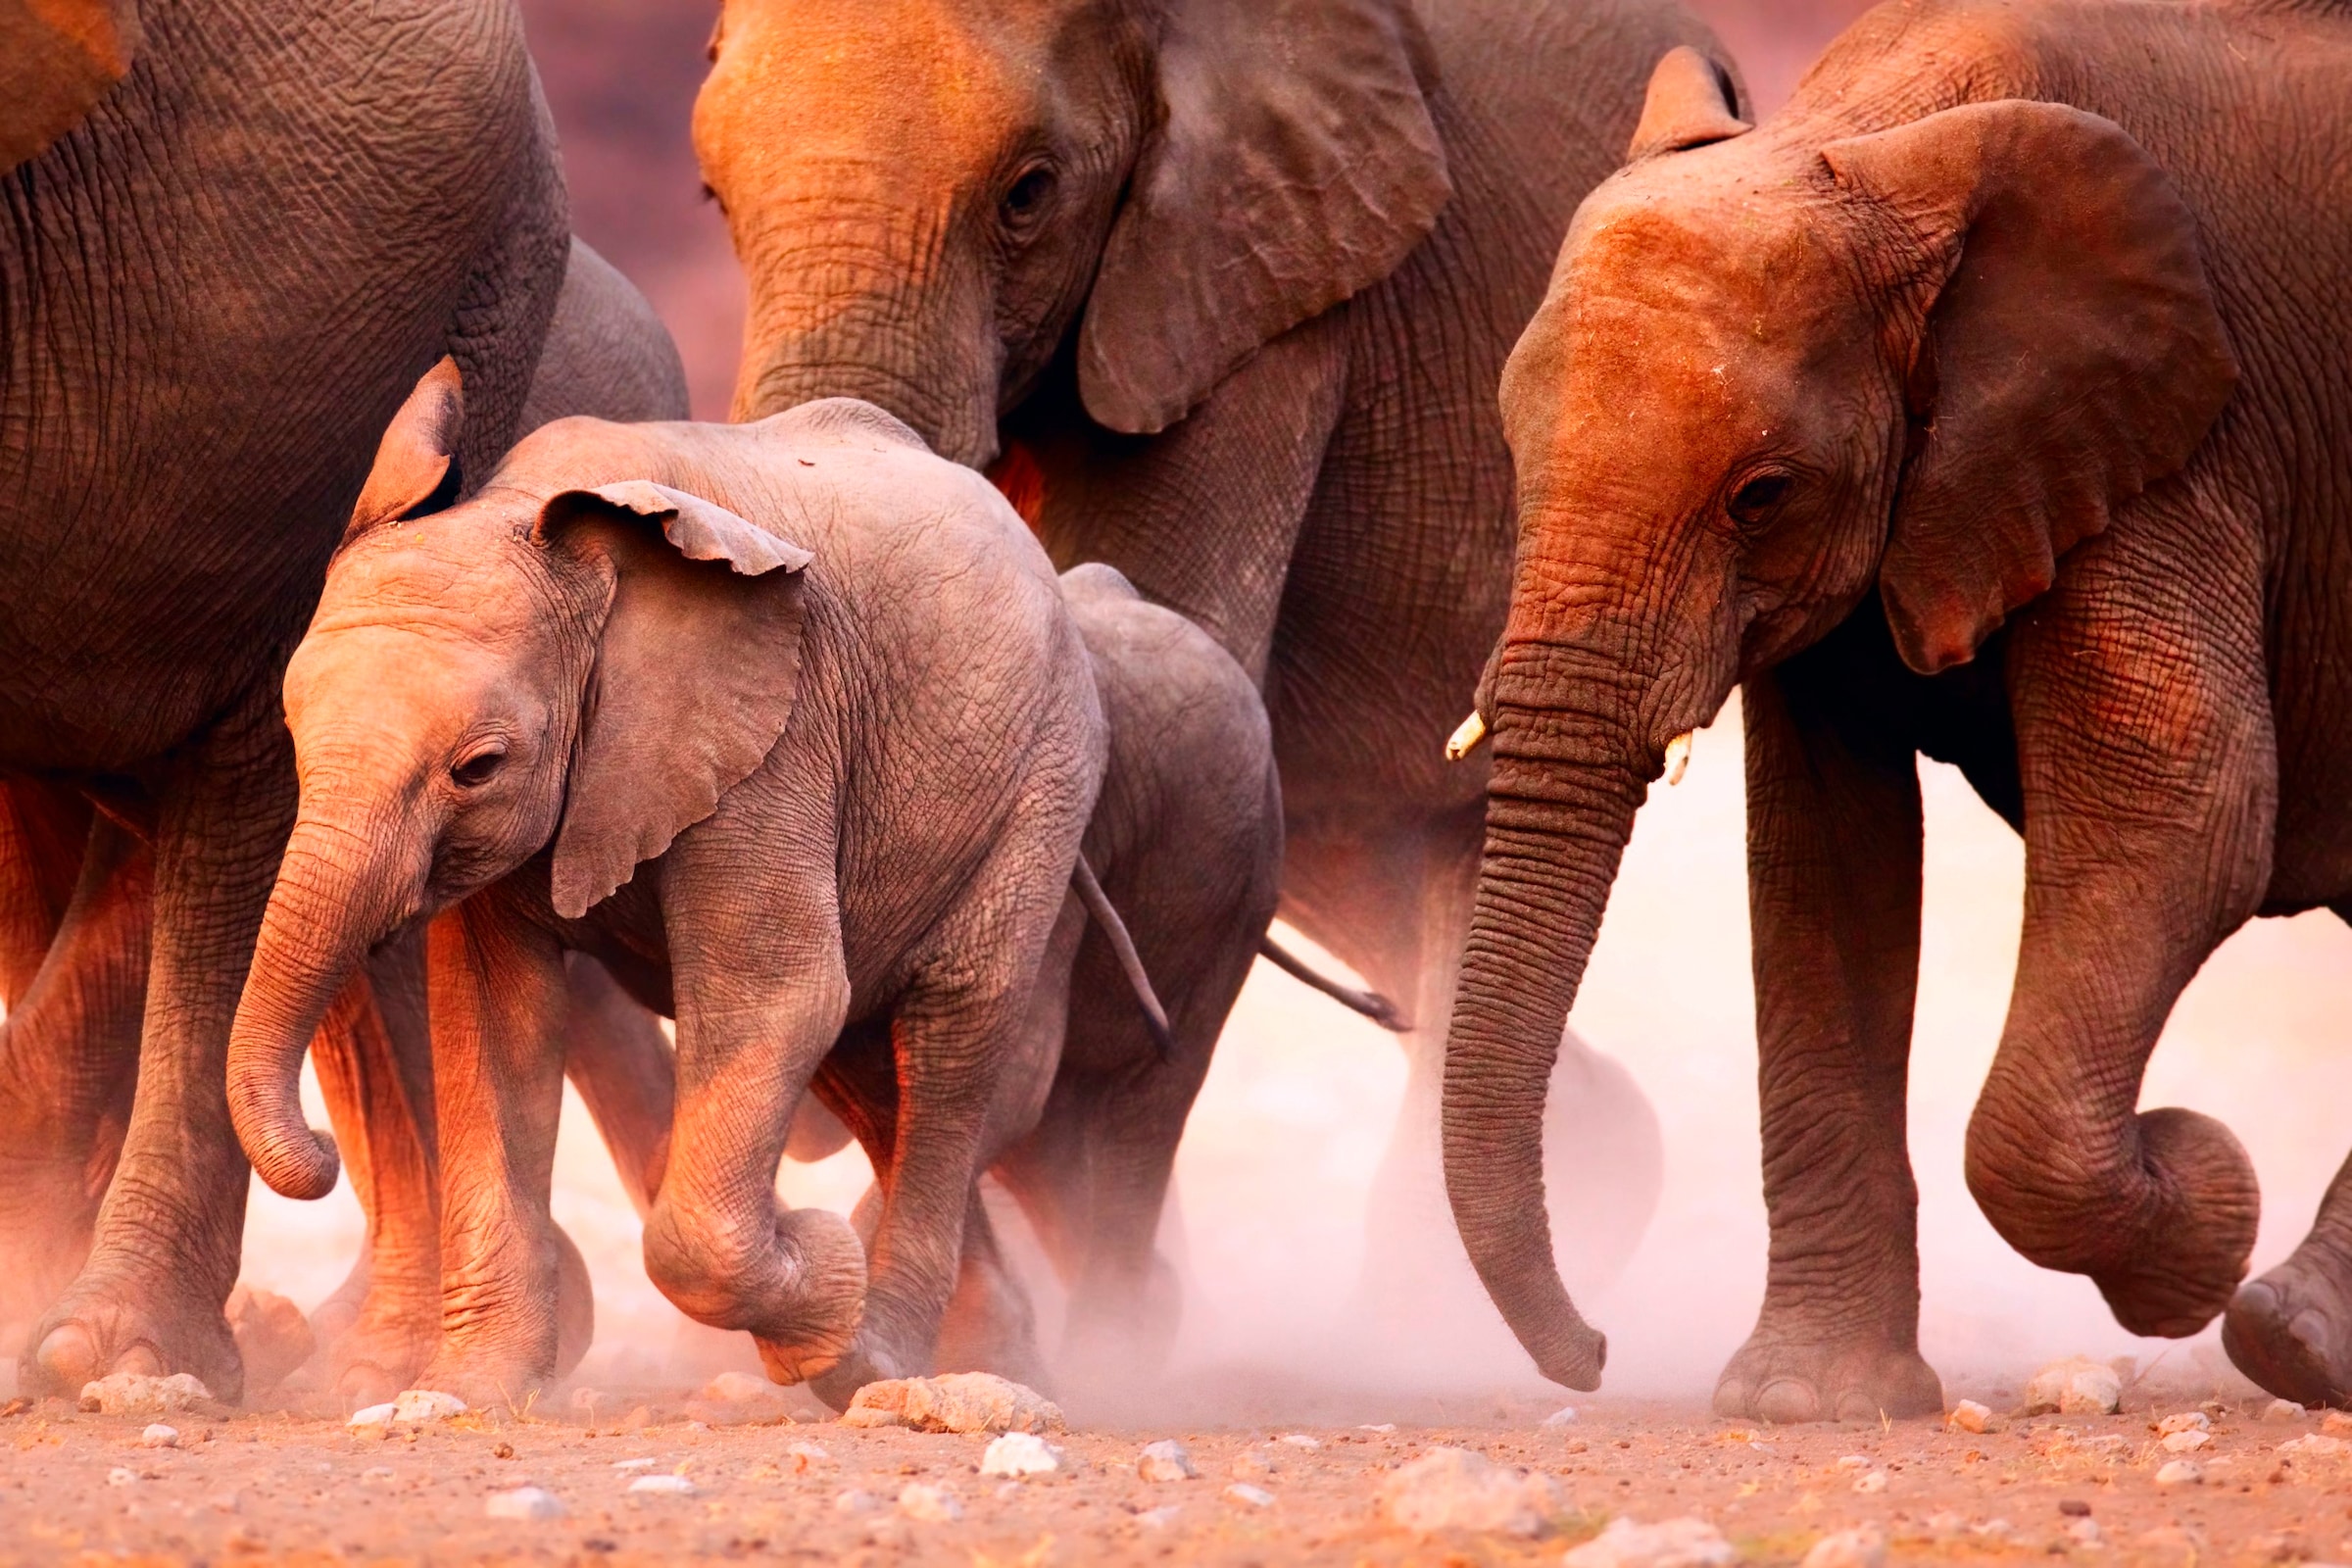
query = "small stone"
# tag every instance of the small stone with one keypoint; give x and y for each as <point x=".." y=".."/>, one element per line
<point x="1165" y="1460"/>
<point x="1968" y="1416"/>
<point x="919" y="1499"/>
<point x="1249" y="1496"/>
<point x="2279" y="1411"/>
<point x="2073" y="1507"/>
<point x="1871" y="1483"/>
<point x="376" y="1472"/>
<point x="1298" y="1439"/>
<point x="1252" y="1465"/>
<point x="1853" y="1462"/>
<point x="1564" y="1416"/>
<point x="121" y="1476"/>
<point x="958" y="1401"/>
<point x="2186" y="1421"/>
<point x="2075" y="1386"/>
<point x="2086" y="1533"/>
<point x="2189" y="1442"/>
<point x="736" y="1388"/>
<point x="1993" y="1530"/>
<point x="160" y="1435"/>
<point x="1860" y="1547"/>
<point x="1459" y="1488"/>
<point x="136" y="1393"/>
<point x="807" y="1456"/>
<point x="1159" y="1518"/>
<point x="371" y="1415"/>
<point x="633" y="1465"/>
<point x="524" y="1503"/>
<point x="1946" y="1523"/>
<point x="425" y="1405"/>
<point x="2315" y="1445"/>
<point x="666" y="1485"/>
<point x="2337" y="1424"/>
<point x="1021" y="1453"/>
<point x="2179" y="1473"/>
<point x="1384" y="1427"/>
<point x="854" y="1501"/>
<point x="1672" y="1543"/>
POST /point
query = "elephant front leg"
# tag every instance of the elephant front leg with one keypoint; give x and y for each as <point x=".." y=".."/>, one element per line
<point x="164" y="1251"/>
<point x="2290" y="1329"/>
<point x="1834" y="888"/>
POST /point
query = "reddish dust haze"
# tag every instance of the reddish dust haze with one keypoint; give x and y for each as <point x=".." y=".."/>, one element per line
<point x="1279" y="1159"/>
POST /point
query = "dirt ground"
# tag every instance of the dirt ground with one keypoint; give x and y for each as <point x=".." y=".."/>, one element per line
<point x="289" y="1487"/>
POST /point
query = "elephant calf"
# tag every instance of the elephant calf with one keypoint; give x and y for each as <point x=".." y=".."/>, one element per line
<point x="820" y="772"/>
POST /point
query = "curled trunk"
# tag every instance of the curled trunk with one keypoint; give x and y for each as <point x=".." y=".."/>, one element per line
<point x="1560" y="806"/>
<point x="328" y="907"/>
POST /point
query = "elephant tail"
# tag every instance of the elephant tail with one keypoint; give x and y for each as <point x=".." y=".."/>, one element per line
<point x="1371" y="1004"/>
<point x="1097" y="904"/>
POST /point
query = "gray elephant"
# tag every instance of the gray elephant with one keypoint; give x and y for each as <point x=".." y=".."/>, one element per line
<point x="223" y="266"/>
<point x="820" y="772"/>
<point x="1989" y="402"/>
<point x="1224" y="289"/>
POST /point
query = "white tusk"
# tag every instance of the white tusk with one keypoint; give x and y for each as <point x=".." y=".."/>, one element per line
<point x="1678" y="758"/>
<point x="1465" y="740"/>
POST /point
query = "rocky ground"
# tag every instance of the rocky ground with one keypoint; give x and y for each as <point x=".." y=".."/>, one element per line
<point x="612" y="1478"/>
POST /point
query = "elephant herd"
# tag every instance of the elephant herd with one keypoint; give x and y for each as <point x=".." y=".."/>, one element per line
<point x="1159" y="423"/>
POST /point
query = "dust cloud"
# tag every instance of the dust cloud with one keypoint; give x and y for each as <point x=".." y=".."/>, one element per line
<point x="1277" y="1169"/>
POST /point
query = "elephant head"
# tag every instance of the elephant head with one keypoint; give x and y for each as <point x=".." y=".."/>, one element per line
<point x="559" y="659"/>
<point x="927" y="195"/>
<point x="1778" y="372"/>
<point x="57" y="59"/>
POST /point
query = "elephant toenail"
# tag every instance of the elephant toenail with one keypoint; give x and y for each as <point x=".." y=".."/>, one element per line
<point x="68" y="1355"/>
<point x="1786" y="1402"/>
<point x="2311" y="1328"/>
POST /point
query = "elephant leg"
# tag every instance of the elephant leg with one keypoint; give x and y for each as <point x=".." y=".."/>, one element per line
<point x="70" y="1045"/>
<point x="374" y="1056"/>
<point x="1833" y="887"/>
<point x="164" y="1251"/>
<point x="617" y="1057"/>
<point x="44" y="832"/>
<point x="499" y="995"/>
<point x="2290" y="1329"/>
<point x="989" y="1324"/>
<point x="2149" y="775"/>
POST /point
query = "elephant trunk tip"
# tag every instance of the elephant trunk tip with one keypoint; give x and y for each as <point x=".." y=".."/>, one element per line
<point x="295" y="1160"/>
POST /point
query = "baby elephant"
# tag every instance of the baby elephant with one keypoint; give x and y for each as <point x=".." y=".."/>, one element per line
<point x="785" y="724"/>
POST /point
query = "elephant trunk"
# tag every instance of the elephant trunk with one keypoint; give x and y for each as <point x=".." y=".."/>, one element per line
<point x="1560" y="806"/>
<point x="328" y="909"/>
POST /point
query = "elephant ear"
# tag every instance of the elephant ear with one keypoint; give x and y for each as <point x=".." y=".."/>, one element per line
<point x="694" y="674"/>
<point x="1692" y="103"/>
<point x="58" y="57"/>
<point x="1296" y="163"/>
<point x="2072" y="353"/>
<point x="416" y="468"/>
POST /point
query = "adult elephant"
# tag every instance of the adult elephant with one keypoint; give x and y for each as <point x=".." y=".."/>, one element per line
<point x="1988" y="403"/>
<point x="1223" y="289"/>
<point x="235" y="238"/>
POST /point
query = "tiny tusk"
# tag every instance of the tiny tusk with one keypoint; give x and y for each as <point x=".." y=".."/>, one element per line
<point x="1678" y="758"/>
<point x="1466" y="738"/>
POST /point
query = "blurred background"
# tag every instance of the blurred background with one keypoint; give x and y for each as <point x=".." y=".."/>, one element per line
<point x="1276" y="1167"/>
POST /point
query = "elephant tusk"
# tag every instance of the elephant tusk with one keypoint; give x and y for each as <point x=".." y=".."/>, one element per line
<point x="1465" y="740"/>
<point x="1678" y="758"/>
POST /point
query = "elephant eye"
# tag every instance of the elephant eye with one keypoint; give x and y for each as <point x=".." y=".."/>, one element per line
<point x="1754" y="501"/>
<point x="1027" y="196"/>
<point x="478" y="768"/>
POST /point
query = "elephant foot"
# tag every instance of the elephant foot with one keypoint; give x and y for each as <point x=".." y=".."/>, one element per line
<point x="838" y="1384"/>
<point x="1787" y="1381"/>
<point x="272" y="1336"/>
<point x="99" y="1328"/>
<point x="2291" y="1330"/>
<point x="380" y="1350"/>
<point x="2180" y="1271"/>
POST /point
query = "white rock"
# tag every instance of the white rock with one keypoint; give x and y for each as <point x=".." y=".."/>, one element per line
<point x="1564" y="1416"/>
<point x="160" y="1435"/>
<point x="1456" y="1489"/>
<point x="633" y="1465"/>
<point x="1381" y="1426"/>
<point x="1947" y="1522"/>
<point x="958" y="1402"/>
<point x="2186" y="1421"/>
<point x="1872" y="1482"/>
<point x="1242" y="1492"/>
<point x="2189" y="1442"/>
<point x="807" y="1455"/>
<point x="1968" y="1416"/>
<point x="136" y="1393"/>
<point x="1159" y="1518"/>
<point x="663" y="1486"/>
<point x="2075" y="1386"/>
<point x="1671" y="1543"/>
<point x="1021" y="1453"/>
<point x="1299" y="1440"/>
<point x="854" y="1501"/>
<point x="524" y="1503"/>
<point x="2315" y="1445"/>
<point x="2283" y="1410"/>
<point x="739" y="1388"/>
<point x="425" y="1405"/>
<point x="2086" y="1533"/>
<point x="919" y="1499"/>
<point x="1165" y="1460"/>
<point x="1993" y="1530"/>
<point x="1860" y="1547"/>
<point x="121" y="1476"/>
<point x="371" y="1415"/>
<point x="376" y="1472"/>
<point x="1854" y="1461"/>
<point x="2179" y="1473"/>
